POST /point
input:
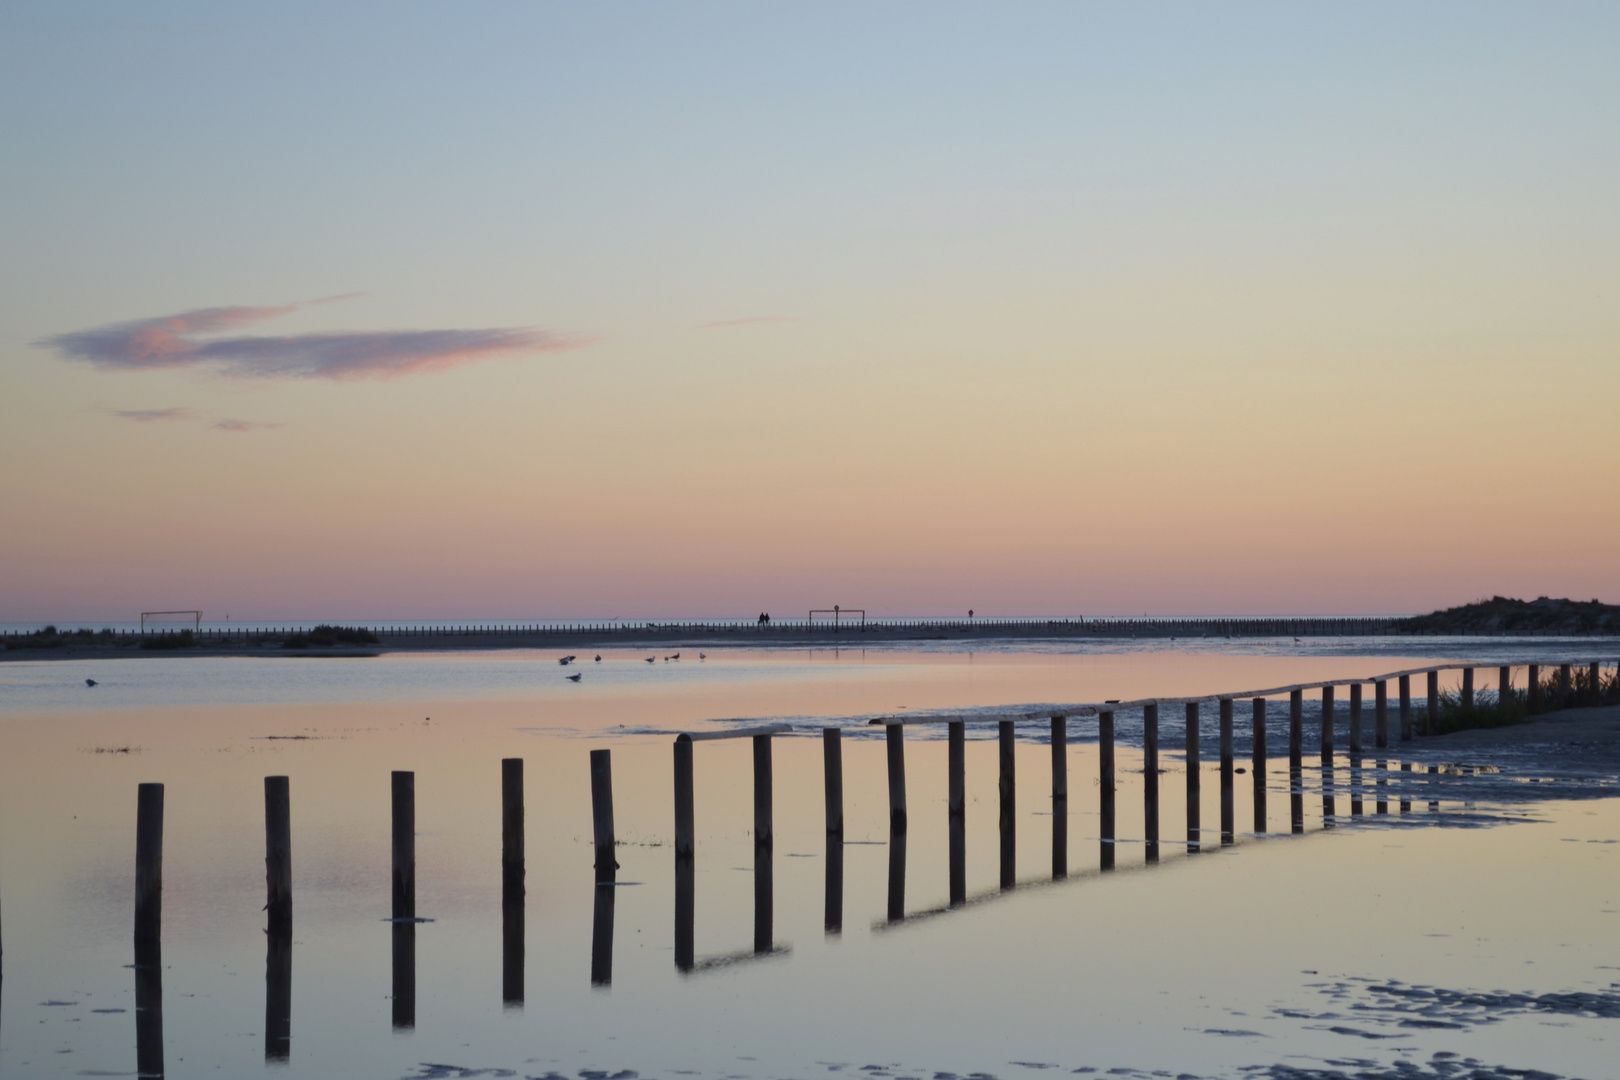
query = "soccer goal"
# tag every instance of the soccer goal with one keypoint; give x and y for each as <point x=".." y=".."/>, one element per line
<point x="164" y="621"/>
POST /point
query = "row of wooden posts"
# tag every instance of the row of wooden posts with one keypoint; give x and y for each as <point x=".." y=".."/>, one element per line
<point x="278" y="836"/>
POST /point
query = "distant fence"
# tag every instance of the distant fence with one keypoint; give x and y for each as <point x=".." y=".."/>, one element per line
<point x="1070" y="627"/>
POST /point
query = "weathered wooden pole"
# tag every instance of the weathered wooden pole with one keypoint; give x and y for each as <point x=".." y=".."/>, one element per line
<point x="404" y="792"/>
<point x="1257" y="765"/>
<point x="1468" y="688"/>
<point x="512" y="862"/>
<point x="278" y="855"/>
<point x="1406" y="708"/>
<point x="1009" y="818"/>
<point x="1594" y="684"/>
<point x="1228" y="825"/>
<point x="832" y="759"/>
<point x="1296" y="768"/>
<point x="685" y="814"/>
<point x="1504" y="687"/>
<point x="1105" y="786"/>
<point x="1563" y="686"/>
<point x="895" y="736"/>
<point x="956" y="809"/>
<point x="1381" y="714"/>
<point x="1355" y="718"/>
<point x="1532" y="691"/>
<point x="764" y="831"/>
<point x="1195" y="793"/>
<point x="1431" y="715"/>
<point x="1327" y="724"/>
<point x="149" y="929"/>
<point x="1150" y="781"/>
<point x="148" y="871"/>
<point x="607" y="862"/>
<point x="1060" y="797"/>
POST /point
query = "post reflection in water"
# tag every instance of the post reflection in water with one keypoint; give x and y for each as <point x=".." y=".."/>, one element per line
<point x="149" y="1011"/>
<point x="1406" y="802"/>
<point x="404" y="975"/>
<point x="1381" y="767"/>
<point x="512" y="920"/>
<point x="602" y="934"/>
<point x="1330" y="810"/>
<point x="764" y="896"/>
<point x="278" y="997"/>
<point x="833" y="920"/>
<point x="1355" y="785"/>
<point x="897" y="876"/>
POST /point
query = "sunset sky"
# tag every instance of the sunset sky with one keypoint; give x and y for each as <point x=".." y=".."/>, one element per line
<point x="537" y="310"/>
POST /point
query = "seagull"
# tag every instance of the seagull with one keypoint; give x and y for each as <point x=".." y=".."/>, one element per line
<point x="573" y="678"/>
<point x="565" y="661"/>
<point x="652" y="659"/>
<point x="89" y="682"/>
<point x="598" y="658"/>
<point x="677" y="656"/>
<point x="703" y="656"/>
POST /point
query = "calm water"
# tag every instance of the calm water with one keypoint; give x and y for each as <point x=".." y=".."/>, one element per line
<point x="1345" y="945"/>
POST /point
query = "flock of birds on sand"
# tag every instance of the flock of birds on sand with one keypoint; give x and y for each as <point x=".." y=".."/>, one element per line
<point x="578" y="675"/>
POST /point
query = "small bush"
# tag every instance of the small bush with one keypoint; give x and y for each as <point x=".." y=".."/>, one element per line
<point x="182" y="640"/>
<point x="325" y="635"/>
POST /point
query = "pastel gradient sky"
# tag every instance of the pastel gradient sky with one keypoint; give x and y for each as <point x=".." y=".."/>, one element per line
<point x="551" y="310"/>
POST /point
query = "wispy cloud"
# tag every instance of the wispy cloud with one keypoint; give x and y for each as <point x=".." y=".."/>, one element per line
<point x="149" y="416"/>
<point x="748" y="321"/>
<point x="247" y="425"/>
<point x="192" y="339"/>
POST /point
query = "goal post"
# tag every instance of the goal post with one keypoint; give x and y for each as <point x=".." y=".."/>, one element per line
<point x="168" y="620"/>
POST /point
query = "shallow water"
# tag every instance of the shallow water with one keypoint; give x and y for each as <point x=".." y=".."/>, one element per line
<point x="1349" y="948"/>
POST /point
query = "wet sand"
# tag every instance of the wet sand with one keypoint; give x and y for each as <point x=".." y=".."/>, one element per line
<point x="1577" y="729"/>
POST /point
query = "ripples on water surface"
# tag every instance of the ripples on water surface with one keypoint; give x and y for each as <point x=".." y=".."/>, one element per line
<point x="1347" y="950"/>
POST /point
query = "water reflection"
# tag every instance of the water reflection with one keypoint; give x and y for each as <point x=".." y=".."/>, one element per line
<point x="278" y="997"/>
<point x="404" y="1011"/>
<point x="149" y="1011"/>
<point x="602" y="933"/>
<point x="897" y="876"/>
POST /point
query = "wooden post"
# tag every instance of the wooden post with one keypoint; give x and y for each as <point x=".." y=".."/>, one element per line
<point x="607" y="862"/>
<point x="1150" y="781"/>
<point x="148" y="874"/>
<point x="278" y="854"/>
<point x="1381" y="714"/>
<point x="1563" y="686"/>
<point x="832" y="759"/>
<point x="1257" y="765"/>
<point x="1532" y="692"/>
<point x="1327" y="723"/>
<point x="1009" y="843"/>
<point x="1060" y="797"/>
<point x="1194" y="781"/>
<point x="1228" y="825"/>
<point x="1105" y="786"/>
<point x="895" y="736"/>
<point x="1296" y="739"/>
<point x="404" y="791"/>
<point x="1431" y="721"/>
<point x="512" y="863"/>
<point x="685" y="817"/>
<point x="956" y="810"/>
<point x="1468" y="688"/>
<point x="1594" y="684"/>
<point x="1504" y="687"/>
<point x="763" y="829"/>
<point x="1406" y="708"/>
<point x="1355" y="718"/>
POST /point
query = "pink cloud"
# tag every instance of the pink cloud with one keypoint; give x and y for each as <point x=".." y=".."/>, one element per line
<point x="247" y="425"/>
<point x="185" y="340"/>
<point x="148" y="416"/>
<point x="749" y="321"/>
